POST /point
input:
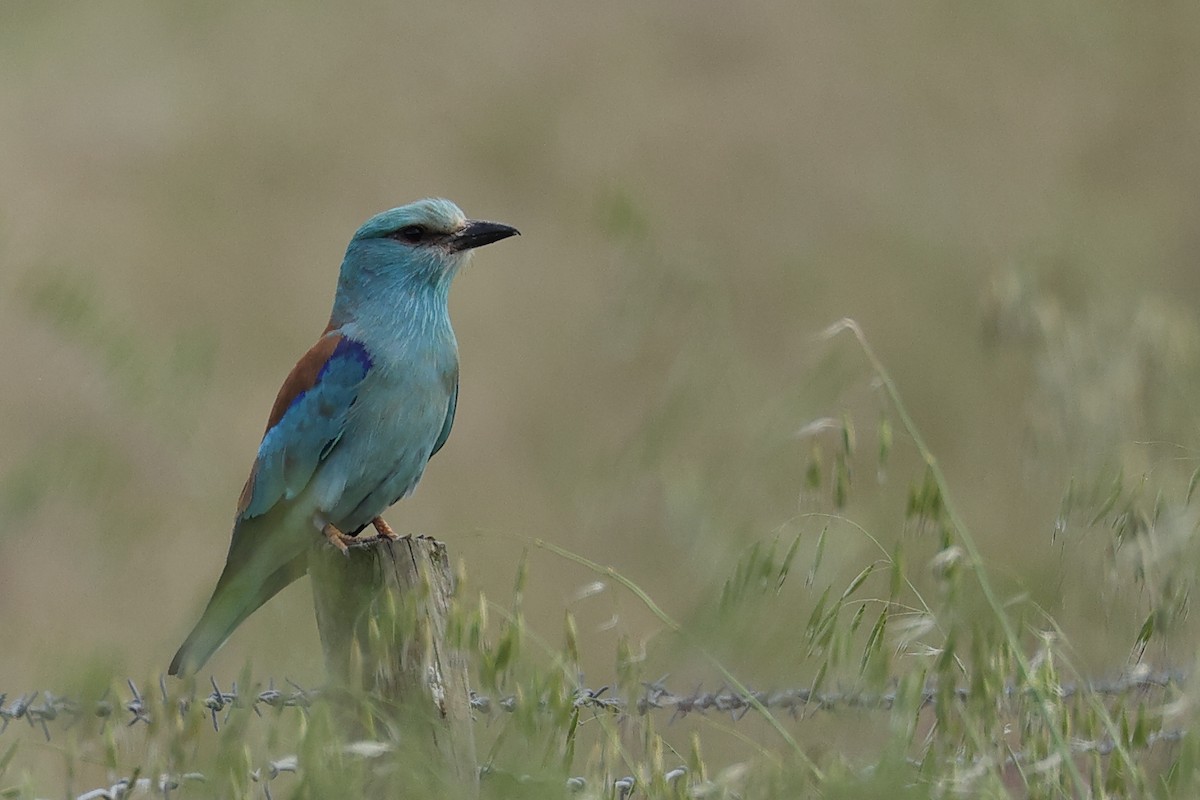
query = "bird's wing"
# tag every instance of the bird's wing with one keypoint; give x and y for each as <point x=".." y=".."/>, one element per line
<point x="265" y="555"/>
<point x="449" y="423"/>
<point x="306" y="422"/>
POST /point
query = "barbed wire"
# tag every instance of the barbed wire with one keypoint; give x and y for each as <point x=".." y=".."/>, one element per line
<point x="42" y="708"/>
<point x="798" y="701"/>
<point x="621" y="788"/>
<point x="165" y="784"/>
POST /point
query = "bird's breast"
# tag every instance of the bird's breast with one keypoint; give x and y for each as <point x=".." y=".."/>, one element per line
<point x="391" y="430"/>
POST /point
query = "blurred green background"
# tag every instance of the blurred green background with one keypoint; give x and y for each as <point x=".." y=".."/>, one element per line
<point x="1004" y="196"/>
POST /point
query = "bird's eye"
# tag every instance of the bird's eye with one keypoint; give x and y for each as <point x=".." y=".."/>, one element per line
<point x="413" y="234"/>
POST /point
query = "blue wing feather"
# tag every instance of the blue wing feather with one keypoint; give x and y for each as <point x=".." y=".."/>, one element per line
<point x="294" y="446"/>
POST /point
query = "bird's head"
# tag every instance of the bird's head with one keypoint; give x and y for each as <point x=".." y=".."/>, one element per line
<point x="422" y="243"/>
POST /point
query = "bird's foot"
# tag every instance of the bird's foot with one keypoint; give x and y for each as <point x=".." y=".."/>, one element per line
<point x="338" y="539"/>
<point x="385" y="530"/>
<point x="344" y="541"/>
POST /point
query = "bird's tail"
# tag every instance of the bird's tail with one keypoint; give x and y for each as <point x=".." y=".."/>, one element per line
<point x="241" y="589"/>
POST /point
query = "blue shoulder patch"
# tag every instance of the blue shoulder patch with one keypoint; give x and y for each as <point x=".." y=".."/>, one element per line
<point x="349" y="349"/>
<point x="349" y="361"/>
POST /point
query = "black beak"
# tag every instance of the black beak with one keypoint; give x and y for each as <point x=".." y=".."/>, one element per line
<point x="477" y="233"/>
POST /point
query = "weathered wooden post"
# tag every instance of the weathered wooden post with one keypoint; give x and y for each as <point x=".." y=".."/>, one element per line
<point x="382" y="615"/>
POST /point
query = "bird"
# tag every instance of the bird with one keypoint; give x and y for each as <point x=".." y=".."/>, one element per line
<point x="359" y="416"/>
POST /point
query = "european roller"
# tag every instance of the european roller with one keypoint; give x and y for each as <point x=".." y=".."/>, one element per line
<point x="358" y="417"/>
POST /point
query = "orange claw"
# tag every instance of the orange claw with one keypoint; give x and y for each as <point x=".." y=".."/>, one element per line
<point x="338" y="539"/>
<point x="384" y="529"/>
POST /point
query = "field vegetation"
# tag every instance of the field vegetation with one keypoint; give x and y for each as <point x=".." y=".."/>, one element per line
<point x="835" y="413"/>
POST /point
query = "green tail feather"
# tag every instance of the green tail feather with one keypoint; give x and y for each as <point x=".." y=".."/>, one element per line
<point x="257" y="546"/>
